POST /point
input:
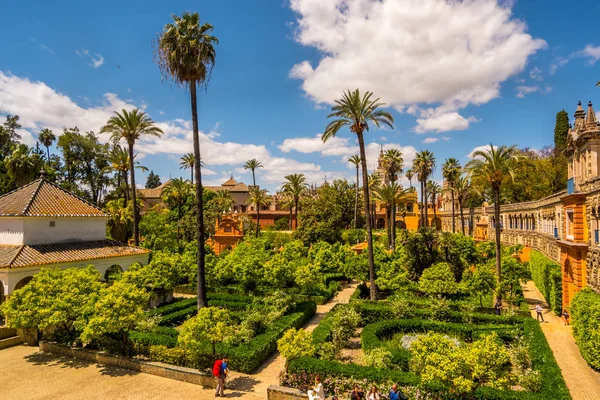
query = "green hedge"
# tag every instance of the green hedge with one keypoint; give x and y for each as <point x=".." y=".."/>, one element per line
<point x="585" y="316"/>
<point x="322" y="333"/>
<point x="361" y="292"/>
<point x="243" y="358"/>
<point x="327" y="294"/>
<point x="178" y="317"/>
<point x="141" y="341"/>
<point x="548" y="278"/>
<point x="172" y="307"/>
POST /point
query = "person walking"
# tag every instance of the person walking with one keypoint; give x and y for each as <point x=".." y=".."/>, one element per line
<point x="498" y="306"/>
<point x="317" y="393"/>
<point x="396" y="394"/>
<point x="373" y="394"/>
<point x="220" y="371"/>
<point x="566" y="316"/>
<point x="538" y="311"/>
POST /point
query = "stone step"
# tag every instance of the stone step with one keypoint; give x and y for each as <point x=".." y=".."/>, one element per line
<point x="9" y="342"/>
<point x="7" y="332"/>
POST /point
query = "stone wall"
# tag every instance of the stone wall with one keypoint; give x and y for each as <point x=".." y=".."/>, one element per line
<point x="149" y="367"/>
<point x="275" y="392"/>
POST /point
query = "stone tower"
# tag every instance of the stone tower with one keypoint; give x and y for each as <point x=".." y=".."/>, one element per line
<point x="583" y="148"/>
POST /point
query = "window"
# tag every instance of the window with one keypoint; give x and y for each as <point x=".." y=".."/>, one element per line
<point x="52" y="224"/>
<point x="569" y="226"/>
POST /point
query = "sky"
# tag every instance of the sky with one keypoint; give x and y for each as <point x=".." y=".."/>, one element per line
<point x="455" y="75"/>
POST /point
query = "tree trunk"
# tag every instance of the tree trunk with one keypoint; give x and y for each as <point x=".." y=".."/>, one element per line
<point x="434" y="211"/>
<point x="253" y="178"/>
<point x="291" y="223"/>
<point x="136" y="233"/>
<point x="257" y="219"/>
<point x="48" y="152"/>
<point x="425" y="197"/>
<point x="356" y="201"/>
<point x="126" y="179"/>
<point x="388" y="216"/>
<point x="296" y="211"/>
<point x="453" y="218"/>
<point x="462" y="218"/>
<point x="421" y="210"/>
<point x="365" y="177"/>
<point x="201" y="284"/>
<point x="192" y="173"/>
<point x="394" y="226"/>
<point x="497" y="234"/>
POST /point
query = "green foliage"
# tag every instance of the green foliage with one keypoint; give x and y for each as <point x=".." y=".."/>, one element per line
<point x="561" y="130"/>
<point x="585" y="314"/>
<point x="244" y="264"/>
<point x="64" y="298"/>
<point x="153" y="181"/>
<point x="416" y="250"/>
<point x="378" y="358"/>
<point x="119" y="309"/>
<point x="513" y="273"/>
<point x="157" y="232"/>
<point x="438" y="280"/>
<point x="295" y="343"/>
<point x="354" y="236"/>
<point x="547" y="276"/>
<point x="391" y="275"/>
<point x="480" y="282"/>
<point x="161" y="274"/>
<point x="211" y="324"/>
<point x="308" y="277"/>
<point x="343" y="325"/>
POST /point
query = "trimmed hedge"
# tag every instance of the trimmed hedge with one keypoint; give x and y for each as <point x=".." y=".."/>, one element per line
<point x="332" y="289"/>
<point x="243" y="358"/>
<point x="322" y="333"/>
<point x="172" y="307"/>
<point x="177" y="317"/>
<point x="361" y="292"/>
<point x="142" y="340"/>
<point x="547" y="276"/>
<point x="585" y="314"/>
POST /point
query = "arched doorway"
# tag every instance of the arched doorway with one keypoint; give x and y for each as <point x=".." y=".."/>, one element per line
<point x="437" y="222"/>
<point x="113" y="273"/>
<point x="400" y="224"/>
<point x="380" y="223"/>
<point x="23" y="282"/>
<point x="421" y="223"/>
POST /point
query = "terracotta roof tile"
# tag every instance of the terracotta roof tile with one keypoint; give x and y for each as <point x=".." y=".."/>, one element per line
<point x="230" y="182"/>
<point x="44" y="254"/>
<point x="41" y="198"/>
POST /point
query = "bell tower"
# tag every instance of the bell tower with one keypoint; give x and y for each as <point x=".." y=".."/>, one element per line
<point x="583" y="147"/>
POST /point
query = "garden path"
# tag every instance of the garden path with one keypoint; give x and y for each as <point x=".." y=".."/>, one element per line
<point x="36" y="376"/>
<point x="583" y="382"/>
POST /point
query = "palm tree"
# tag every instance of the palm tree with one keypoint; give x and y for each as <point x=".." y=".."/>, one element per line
<point x="22" y="165"/>
<point x="295" y="186"/>
<point x="494" y="166"/>
<point x="424" y="164"/>
<point x="462" y="188"/>
<point x="186" y="54"/>
<point x="450" y="171"/>
<point x="434" y="189"/>
<point x="187" y="162"/>
<point x="288" y="202"/>
<point x="409" y="175"/>
<point x="357" y="112"/>
<point x="393" y="162"/>
<point x="118" y="163"/>
<point x="388" y="194"/>
<point x="259" y="198"/>
<point x="355" y="160"/>
<point x="253" y="165"/>
<point x="47" y="137"/>
<point x="131" y="126"/>
<point x="120" y="219"/>
<point x="223" y="201"/>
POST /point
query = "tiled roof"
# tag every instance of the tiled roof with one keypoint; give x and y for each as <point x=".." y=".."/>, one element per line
<point x="41" y="198"/>
<point x="154" y="192"/>
<point x="56" y="253"/>
<point x="230" y="182"/>
<point x="240" y="187"/>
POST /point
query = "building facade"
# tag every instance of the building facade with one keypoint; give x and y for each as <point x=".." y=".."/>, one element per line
<point x="563" y="226"/>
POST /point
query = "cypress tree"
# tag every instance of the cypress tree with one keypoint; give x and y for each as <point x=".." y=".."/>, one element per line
<point x="561" y="130"/>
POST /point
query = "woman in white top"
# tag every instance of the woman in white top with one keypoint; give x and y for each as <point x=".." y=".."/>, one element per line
<point x="373" y="394"/>
<point x="318" y="393"/>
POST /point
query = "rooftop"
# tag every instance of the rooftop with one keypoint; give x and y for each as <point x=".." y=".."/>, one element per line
<point x="42" y="198"/>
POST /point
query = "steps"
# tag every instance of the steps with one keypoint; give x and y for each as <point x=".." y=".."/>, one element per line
<point x="9" y="337"/>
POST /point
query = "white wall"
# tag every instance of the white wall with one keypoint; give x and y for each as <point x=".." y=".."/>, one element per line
<point x="11" y="230"/>
<point x="39" y="231"/>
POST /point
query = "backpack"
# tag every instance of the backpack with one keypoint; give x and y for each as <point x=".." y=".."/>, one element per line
<point x="217" y="368"/>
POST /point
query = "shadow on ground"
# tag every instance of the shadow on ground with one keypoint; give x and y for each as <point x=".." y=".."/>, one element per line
<point x="65" y="362"/>
<point x="243" y="383"/>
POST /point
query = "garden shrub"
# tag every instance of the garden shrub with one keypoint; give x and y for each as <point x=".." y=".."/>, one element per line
<point x="547" y="276"/>
<point x="378" y="358"/>
<point x="438" y="280"/>
<point x="175" y="318"/>
<point x="585" y="315"/>
<point x="172" y="307"/>
<point x="295" y="344"/>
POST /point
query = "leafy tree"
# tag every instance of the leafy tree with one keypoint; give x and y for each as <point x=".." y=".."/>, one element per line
<point x="252" y="165"/>
<point x="393" y="162"/>
<point x="223" y="201"/>
<point x="424" y="164"/>
<point x="175" y="194"/>
<point x="9" y="137"/>
<point x="409" y="175"/>
<point x="295" y="344"/>
<point x="47" y="137"/>
<point x="187" y="162"/>
<point x="119" y="309"/>
<point x="344" y="323"/>
<point x="22" y="166"/>
<point x="295" y="186"/>
<point x="186" y="54"/>
<point x="494" y="166"/>
<point x="309" y="277"/>
<point x="120" y="220"/>
<point x="211" y="324"/>
<point x="157" y="232"/>
<point x="153" y="181"/>
<point x="387" y="195"/>
<point x="131" y="126"/>
<point x="391" y="274"/>
<point x="355" y="160"/>
<point x="417" y="250"/>
<point x="118" y="163"/>
<point x="159" y="276"/>
<point x="438" y="280"/>
<point x="462" y="188"/>
<point x="450" y="171"/>
<point x="259" y="198"/>
<point x="244" y="264"/>
<point x="54" y="297"/>
<point x="480" y="282"/>
<point x="433" y="190"/>
<point x="356" y="113"/>
<point x="561" y="130"/>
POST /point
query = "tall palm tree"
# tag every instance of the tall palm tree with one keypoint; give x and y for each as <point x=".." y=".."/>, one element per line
<point x="260" y="198"/>
<point x="409" y="175"/>
<point x="387" y="195"/>
<point x="494" y="166"/>
<point x="450" y="171"/>
<point x="434" y="189"/>
<point x="186" y="54"/>
<point x="355" y="160"/>
<point x="118" y="163"/>
<point x="47" y="137"/>
<point x="131" y="126"/>
<point x="393" y="162"/>
<point x="462" y="188"/>
<point x="295" y="185"/>
<point x="357" y="112"/>
<point x="187" y="162"/>
<point x="424" y="164"/>
<point x="253" y="165"/>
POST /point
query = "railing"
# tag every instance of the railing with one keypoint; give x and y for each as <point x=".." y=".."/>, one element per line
<point x="571" y="186"/>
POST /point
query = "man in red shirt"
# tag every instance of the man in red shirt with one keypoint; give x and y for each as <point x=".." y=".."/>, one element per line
<point x="220" y="371"/>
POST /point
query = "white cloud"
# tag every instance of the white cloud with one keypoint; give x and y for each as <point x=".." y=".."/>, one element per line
<point x="335" y="146"/>
<point x="592" y="53"/>
<point x="411" y="52"/>
<point x="445" y="138"/>
<point x="440" y="120"/>
<point x="485" y="147"/>
<point x="96" y="60"/>
<point x="523" y="91"/>
<point x="47" y="49"/>
<point x="536" y="74"/>
<point x="430" y="140"/>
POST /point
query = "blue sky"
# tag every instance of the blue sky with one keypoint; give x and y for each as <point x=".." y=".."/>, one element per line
<point x="456" y="76"/>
